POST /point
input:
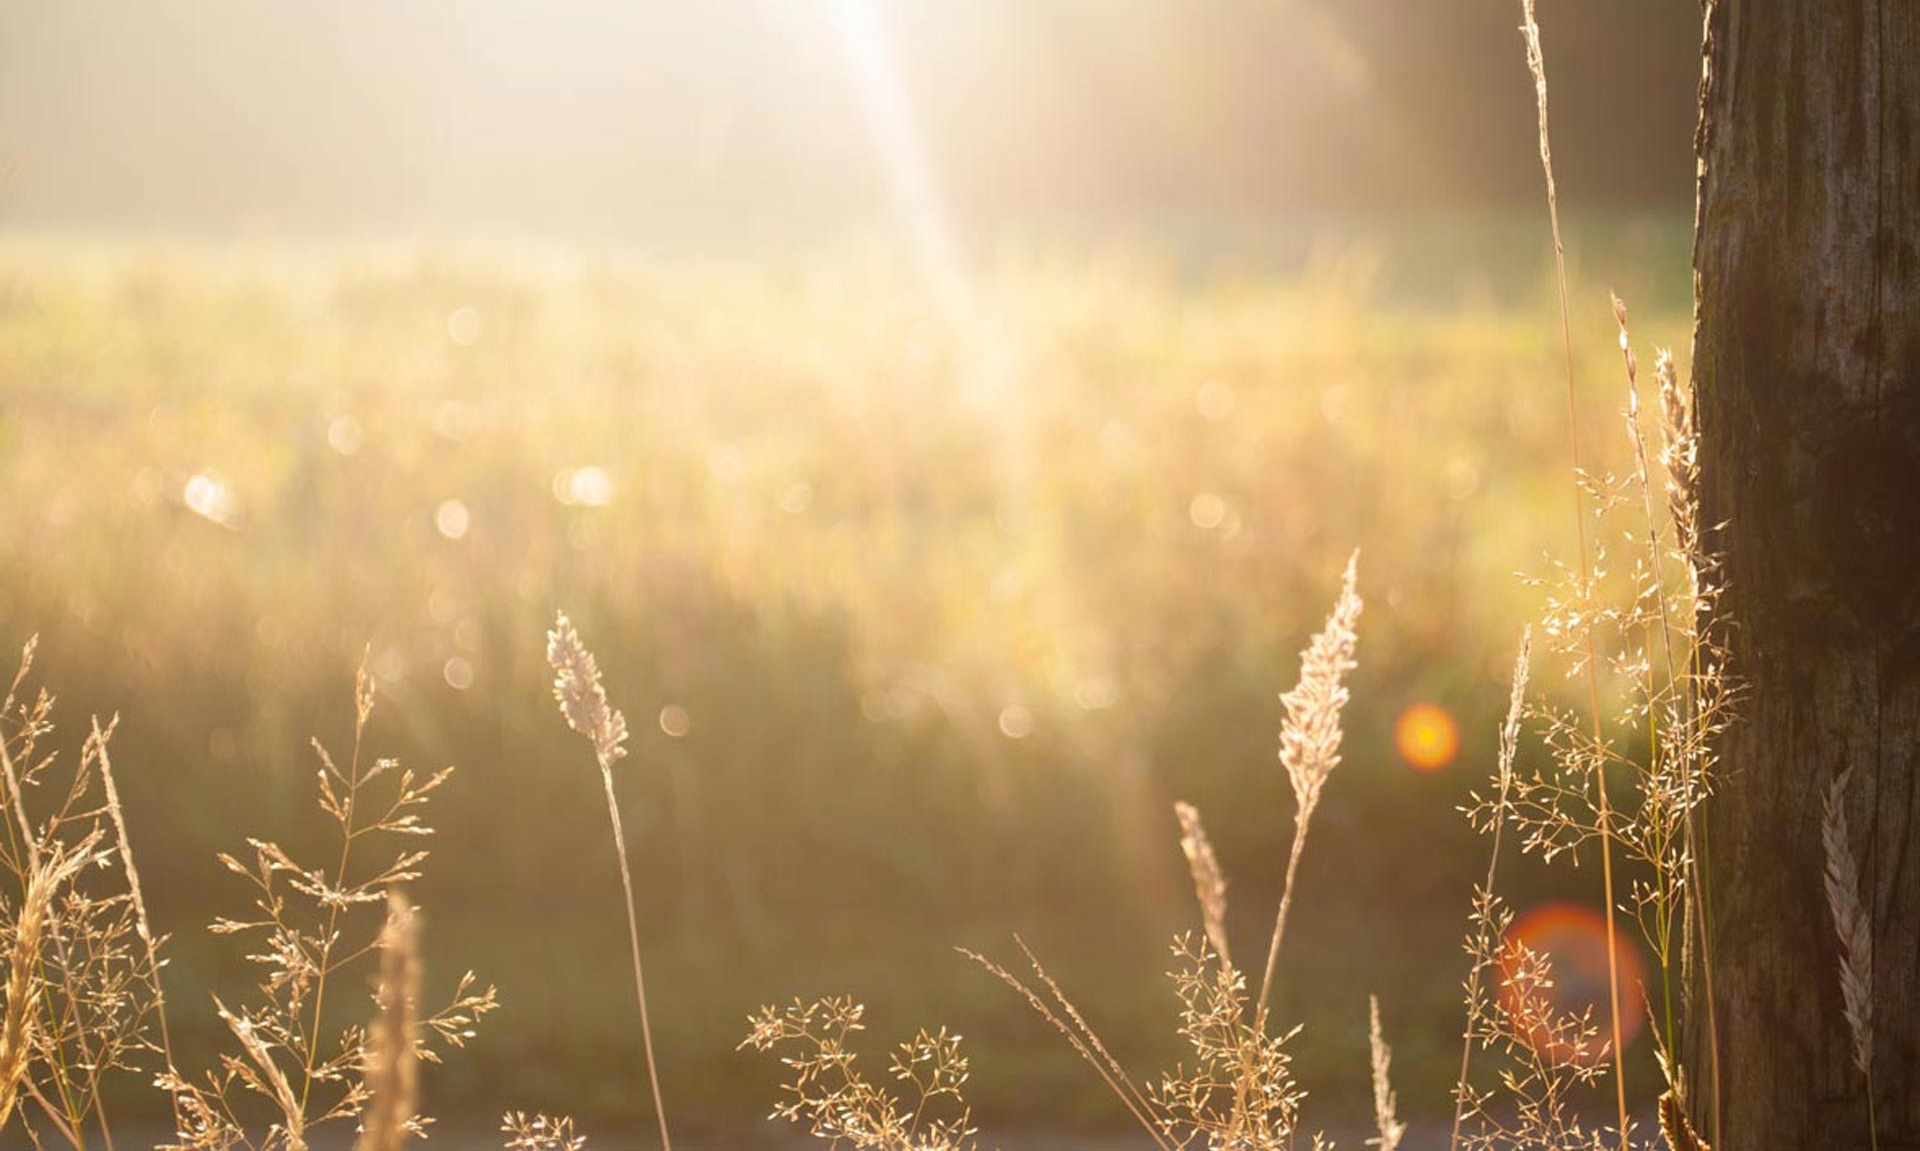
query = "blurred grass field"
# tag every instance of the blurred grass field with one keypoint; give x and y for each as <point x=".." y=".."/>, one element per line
<point x="923" y="619"/>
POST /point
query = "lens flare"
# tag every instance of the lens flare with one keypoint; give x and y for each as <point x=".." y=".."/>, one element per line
<point x="1427" y="737"/>
<point x="1573" y="939"/>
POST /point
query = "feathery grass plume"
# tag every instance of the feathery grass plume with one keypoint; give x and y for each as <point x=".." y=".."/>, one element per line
<point x="1209" y="886"/>
<point x="1855" y="930"/>
<point x="25" y="941"/>
<point x="835" y="1101"/>
<point x="1679" y="454"/>
<point x="1384" y="1102"/>
<point x="1310" y="740"/>
<point x="391" y="1070"/>
<point x="540" y="1133"/>
<point x="583" y="702"/>
<point x="582" y="698"/>
<point x="1537" y="66"/>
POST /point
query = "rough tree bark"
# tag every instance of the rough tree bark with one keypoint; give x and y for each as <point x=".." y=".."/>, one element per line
<point x="1807" y="365"/>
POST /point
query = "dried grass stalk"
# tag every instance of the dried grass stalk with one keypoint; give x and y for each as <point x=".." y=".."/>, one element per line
<point x="1676" y="1127"/>
<point x="1537" y="66"/>
<point x="1209" y="885"/>
<point x="392" y="1064"/>
<point x="540" y="1133"/>
<point x="577" y="687"/>
<point x="1484" y="941"/>
<point x="1310" y="741"/>
<point x="583" y="701"/>
<point x="142" y="925"/>
<point x="1384" y="1102"/>
<point x="264" y="1074"/>
<point x="23" y="961"/>
<point x="1850" y="923"/>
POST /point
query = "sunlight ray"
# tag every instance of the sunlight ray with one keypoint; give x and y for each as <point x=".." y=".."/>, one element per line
<point x="916" y="192"/>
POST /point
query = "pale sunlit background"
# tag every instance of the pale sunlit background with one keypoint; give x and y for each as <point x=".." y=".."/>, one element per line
<point x="945" y="418"/>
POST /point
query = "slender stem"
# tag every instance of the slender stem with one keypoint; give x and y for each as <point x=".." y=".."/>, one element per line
<point x="1873" y="1123"/>
<point x="1280" y="921"/>
<point x="633" y="936"/>
<point x="1537" y="63"/>
<point x="333" y="921"/>
<point x="144" y="925"/>
<point x="52" y="1113"/>
<point x="1703" y="909"/>
<point x="1473" y="985"/>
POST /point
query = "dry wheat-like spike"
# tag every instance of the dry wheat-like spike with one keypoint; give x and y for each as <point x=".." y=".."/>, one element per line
<point x="1679" y="455"/>
<point x="23" y="960"/>
<point x="1209" y="885"/>
<point x="583" y="701"/>
<point x="392" y="1065"/>
<point x="264" y="1074"/>
<point x="1310" y="742"/>
<point x="1310" y="735"/>
<point x="1384" y="1101"/>
<point x="1675" y="1125"/>
<point x="1850" y="923"/>
<point x="142" y="925"/>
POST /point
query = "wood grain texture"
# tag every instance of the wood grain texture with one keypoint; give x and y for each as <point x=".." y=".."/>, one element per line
<point x="1807" y="365"/>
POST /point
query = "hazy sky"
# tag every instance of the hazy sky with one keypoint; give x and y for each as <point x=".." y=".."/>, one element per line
<point x="744" y="118"/>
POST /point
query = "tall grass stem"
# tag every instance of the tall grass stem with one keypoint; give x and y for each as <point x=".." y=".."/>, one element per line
<point x="1536" y="63"/>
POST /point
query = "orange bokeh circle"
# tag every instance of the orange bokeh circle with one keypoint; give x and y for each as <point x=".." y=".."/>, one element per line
<point x="1427" y="737"/>
<point x="1572" y="939"/>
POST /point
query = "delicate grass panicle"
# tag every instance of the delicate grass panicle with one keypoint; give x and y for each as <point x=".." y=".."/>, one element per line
<point x="1488" y="920"/>
<point x="540" y="1133"/>
<point x="1544" y="1057"/>
<point x="583" y="702"/>
<point x="311" y="926"/>
<point x="1657" y="733"/>
<point x="832" y="1097"/>
<point x="83" y="963"/>
<point x="82" y="988"/>
<point x="1662" y="644"/>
